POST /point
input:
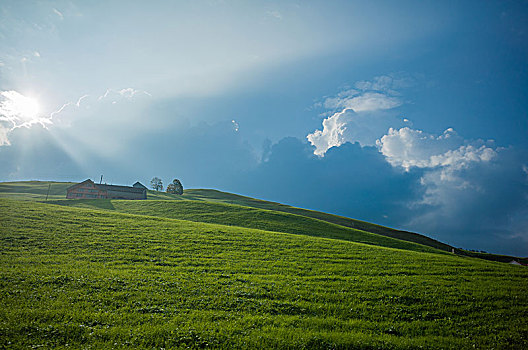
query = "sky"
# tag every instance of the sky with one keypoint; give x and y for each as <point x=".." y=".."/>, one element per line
<point x="410" y="114"/>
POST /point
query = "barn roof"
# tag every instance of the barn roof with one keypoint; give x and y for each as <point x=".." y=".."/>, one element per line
<point x="139" y="185"/>
<point x="110" y="187"/>
<point x="79" y="184"/>
<point x="119" y="188"/>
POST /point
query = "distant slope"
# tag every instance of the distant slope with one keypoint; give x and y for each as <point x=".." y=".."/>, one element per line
<point x="236" y="215"/>
<point x="81" y="278"/>
<point x="223" y="197"/>
<point x="34" y="190"/>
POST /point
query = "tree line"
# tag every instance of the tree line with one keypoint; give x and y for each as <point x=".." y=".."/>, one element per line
<point x="175" y="187"/>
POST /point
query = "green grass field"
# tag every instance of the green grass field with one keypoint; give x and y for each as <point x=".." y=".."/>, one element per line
<point x="223" y="197"/>
<point x="236" y="215"/>
<point x="37" y="190"/>
<point x="208" y="273"/>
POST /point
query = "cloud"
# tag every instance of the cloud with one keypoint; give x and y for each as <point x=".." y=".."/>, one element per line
<point x="85" y="136"/>
<point x="103" y="125"/>
<point x="236" y="126"/>
<point x="207" y="154"/>
<point x="350" y="180"/>
<point x="471" y="189"/>
<point x="4" y="140"/>
<point x="470" y="193"/>
<point x="409" y="148"/>
<point x="58" y="13"/>
<point x="359" y="114"/>
<point x="333" y="132"/>
<point x="380" y="93"/>
<point x="350" y="126"/>
<point x="481" y="202"/>
<point x="128" y="93"/>
<point x="465" y="193"/>
<point x="61" y="115"/>
<point x="390" y="84"/>
<point x="363" y="102"/>
<point x="17" y="111"/>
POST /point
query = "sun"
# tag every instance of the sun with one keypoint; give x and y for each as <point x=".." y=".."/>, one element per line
<point x="19" y="109"/>
<point x="29" y="109"/>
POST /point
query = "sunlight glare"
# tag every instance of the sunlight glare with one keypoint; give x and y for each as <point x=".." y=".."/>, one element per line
<point x="19" y="109"/>
<point x="26" y="108"/>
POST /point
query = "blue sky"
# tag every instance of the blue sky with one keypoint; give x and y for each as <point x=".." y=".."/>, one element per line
<point x="411" y="114"/>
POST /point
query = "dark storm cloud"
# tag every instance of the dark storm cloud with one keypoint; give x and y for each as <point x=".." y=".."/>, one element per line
<point x="485" y="208"/>
<point x="350" y="180"/>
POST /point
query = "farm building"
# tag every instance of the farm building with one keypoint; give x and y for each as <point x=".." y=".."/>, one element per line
<point x="90" y="190"/>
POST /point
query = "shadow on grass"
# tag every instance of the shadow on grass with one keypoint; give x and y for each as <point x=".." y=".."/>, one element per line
<point x="105" y="204"/>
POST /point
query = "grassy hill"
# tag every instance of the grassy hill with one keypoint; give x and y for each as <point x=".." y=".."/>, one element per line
<point x="223" y="197"/>
<point x="36" y="190"/>
<point x="236" y="215"/>
<point x="90" y="278"/>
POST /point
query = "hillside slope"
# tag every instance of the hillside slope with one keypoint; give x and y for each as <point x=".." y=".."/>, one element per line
<point x="36" y="190"/>
<point x="224" y="197"/>
<point x="236" y="215"/>
<point x="82" y="278"/>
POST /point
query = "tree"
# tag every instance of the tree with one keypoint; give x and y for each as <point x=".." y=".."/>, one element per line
<point x="175" y="187"/>
<point x="156" y="184"/>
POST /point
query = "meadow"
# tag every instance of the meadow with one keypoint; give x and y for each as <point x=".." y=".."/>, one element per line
<point x="176" y="274"/>
<point x="240" y="216"/>
<point x="38" y="191"/>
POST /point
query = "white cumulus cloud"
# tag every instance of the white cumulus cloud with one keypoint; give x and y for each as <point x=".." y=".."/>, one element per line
<point x="469" y="188"/>
<point x="359" y="114"/>
<point x="409" y="148"/>
<point x="333" y="133"/>
<point x="462" y="189"/>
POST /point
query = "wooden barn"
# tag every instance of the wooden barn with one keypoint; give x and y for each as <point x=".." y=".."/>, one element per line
<point x="90" y="190"/>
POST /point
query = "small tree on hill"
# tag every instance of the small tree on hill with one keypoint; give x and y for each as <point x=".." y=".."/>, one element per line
<point x="175" y="187"/>
<point x="156" y="184"/>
